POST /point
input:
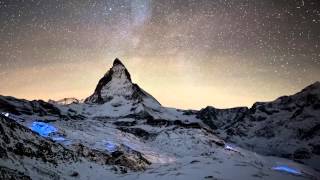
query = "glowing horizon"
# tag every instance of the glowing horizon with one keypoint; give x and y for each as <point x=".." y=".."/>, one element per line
<point x="179" y="93"/>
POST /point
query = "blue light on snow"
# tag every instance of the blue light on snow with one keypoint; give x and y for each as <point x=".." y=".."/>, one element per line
<point x="45" y="129"/>
<point x="111" y="147"/>
<point x="287" y="169"/>
<point x="58" y="138"/>
<point x="42" y="128"/>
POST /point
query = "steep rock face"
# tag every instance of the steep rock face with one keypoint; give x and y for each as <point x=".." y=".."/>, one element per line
<point x="287" y="127"/>
<point x="116" y="87"/>
<point x="221" y="118"/>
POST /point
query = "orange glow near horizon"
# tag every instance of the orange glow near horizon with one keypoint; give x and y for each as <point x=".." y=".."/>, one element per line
<point x="173" y="83"/>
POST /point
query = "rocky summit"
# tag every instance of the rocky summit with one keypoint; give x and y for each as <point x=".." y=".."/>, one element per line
<point x="122" y="132"/>
<point x="116" y="85"/>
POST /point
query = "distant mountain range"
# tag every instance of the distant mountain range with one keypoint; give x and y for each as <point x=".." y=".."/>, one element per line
<point x="122" y="132"/>
<point x="287" y="127"/>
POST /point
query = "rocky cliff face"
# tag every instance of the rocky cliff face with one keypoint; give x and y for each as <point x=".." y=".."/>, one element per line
<point x="221" y="118"/>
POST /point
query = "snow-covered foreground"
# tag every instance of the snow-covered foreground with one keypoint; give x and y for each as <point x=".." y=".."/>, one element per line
<point x="175" y="153"/>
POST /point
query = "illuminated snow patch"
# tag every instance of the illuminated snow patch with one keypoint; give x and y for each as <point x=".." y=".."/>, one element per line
<point x="5" y="114"/>
<point x="287" y="169"/>
<point x="110" y="146"/>
<point x="44" y="129"/>
<point x="58" y="138"/>
<point x="230" y="148"/>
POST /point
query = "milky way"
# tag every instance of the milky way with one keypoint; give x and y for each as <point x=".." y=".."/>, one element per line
<point x="187" y="53"/>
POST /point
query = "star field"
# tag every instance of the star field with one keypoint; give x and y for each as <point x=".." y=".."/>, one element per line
<point x="187" y="53"/>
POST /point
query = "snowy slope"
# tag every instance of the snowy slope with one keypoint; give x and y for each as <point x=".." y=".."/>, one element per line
<point x="287" y="127"/>
<point x="175" y="152"/>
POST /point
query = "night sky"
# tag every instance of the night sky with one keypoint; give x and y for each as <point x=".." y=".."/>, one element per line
<point x="186" y="53"/>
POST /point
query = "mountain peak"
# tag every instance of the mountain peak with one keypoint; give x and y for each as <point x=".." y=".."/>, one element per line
<point x="117" y="62"/>
<point x="116" y="86"/>
<point x="119" y="71"/>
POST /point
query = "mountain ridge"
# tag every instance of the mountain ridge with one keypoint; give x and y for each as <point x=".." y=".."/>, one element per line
<point x="286" y="127"/>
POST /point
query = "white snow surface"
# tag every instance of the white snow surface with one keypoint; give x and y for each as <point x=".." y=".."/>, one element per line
<point x="175" y="153"/>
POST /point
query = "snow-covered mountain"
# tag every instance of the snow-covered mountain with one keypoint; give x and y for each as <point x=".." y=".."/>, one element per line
<point x="287" y="127"/>
<point x="122" y="132"/>
<point x="116" y="88"/>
